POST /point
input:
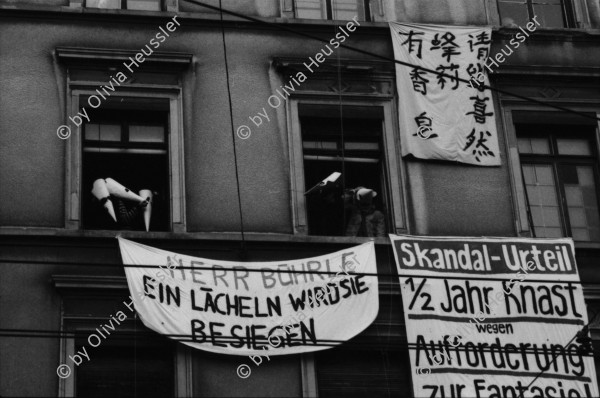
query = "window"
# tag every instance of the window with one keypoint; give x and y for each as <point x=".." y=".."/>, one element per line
<point x="332" y="9"/>
<point x="593" y="306"/>
<point x="376" y="362"/>
<point x="124" y="367"/>
<point x="344" y="123"/>
<point x="549" y="13"/>
<point x="140" y="124"/>
<point x="126" y="359"/>
<point x="126" y="140"/>
<point x="375" y="372"/>
<point x="352" y="146"/>
<point x="560" y="172"/>
<point x="148" y="5"/>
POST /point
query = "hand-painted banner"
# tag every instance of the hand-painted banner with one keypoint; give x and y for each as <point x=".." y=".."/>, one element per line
<point x="485" y="316"/>
<point x="245" y="308"/>
<point x="440" y="117"/>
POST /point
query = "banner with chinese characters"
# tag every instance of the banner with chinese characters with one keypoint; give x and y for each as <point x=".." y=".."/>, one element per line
<point x="440" y="117"/>
<point x="494" y="317"/>
<point x="247" y="308"/>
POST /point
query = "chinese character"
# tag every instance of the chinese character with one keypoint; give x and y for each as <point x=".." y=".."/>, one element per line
<point x="442" y="79"/>
<point x="482" y="40"/>
<point x="479" y="109"/>
<point x="424" y="124"/>
<point x="418" y="80"/>
<point x="480" y="148"/>
<point x="412" y="42"/>
<point x="447" y="45"/>
<point x="477" y="76"/>
<point x="483" y="53"/>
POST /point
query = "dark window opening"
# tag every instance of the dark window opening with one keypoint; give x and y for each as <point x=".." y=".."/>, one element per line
<point x="130" y="146"/>
<point x="593" y="306"/>
<point x="358" y="155"/>
<point x="376" y="362"/>
<point x="560" y="172"/>
<point x="549" y="13"/>
<point x="376" y="372"/>
<point x="125" y="368"/>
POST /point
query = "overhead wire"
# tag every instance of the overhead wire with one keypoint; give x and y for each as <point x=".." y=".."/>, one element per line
<point x="237" y="174"/>
<point x="343" y="141"/>
<point x="554" y="357"/>
<point x="401" y="340"/>
<point x="287" y="271"/>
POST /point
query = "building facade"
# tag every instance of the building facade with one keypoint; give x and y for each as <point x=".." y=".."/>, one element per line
<point x="229" y="121"/>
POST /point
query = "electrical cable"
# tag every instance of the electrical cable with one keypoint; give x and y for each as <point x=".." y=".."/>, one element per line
<point x="359" y="341"/>
<point x="237" y="175"/>
<point x="403" y="63"/>
<point x="279" y="271"/>
<point x="339" y="78"/>
<point x="556" y="356"/>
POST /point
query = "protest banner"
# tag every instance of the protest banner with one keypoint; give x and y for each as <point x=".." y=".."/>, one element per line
<point x="242" y="308"/>
<point x="487" y="316"/>
<point x="440" y="116"/>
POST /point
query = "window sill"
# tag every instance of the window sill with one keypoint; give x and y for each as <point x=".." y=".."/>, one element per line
<point x="221" y="236"/>
<point x="550" y="33"/>
<point x="258" y="237"/>
<point x="587" y="245"/>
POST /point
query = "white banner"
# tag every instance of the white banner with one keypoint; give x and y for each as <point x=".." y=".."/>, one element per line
<point x="440" y="117"/>
<point x="228" y="308"/>
<point x="486" y="316"/>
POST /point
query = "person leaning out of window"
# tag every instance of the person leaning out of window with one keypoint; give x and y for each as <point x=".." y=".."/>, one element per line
<point x="365" y="219"/>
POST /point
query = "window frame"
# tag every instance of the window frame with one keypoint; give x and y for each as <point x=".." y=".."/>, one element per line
<point x="568" y="17"/>
<point x="125" y="142"/>
<point x="163" y="5"/>
<point x="520" y="209"/>
<point x="364" y="10"/>
<point x="384" y="327"/>
<point x="591" y="295"/>
<point x="75" y="288"/>
<point x="73" y="178"/>
<point x="556" y="160"/>
<point x="393" y="173"/>
<point x="122" y="117"/>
